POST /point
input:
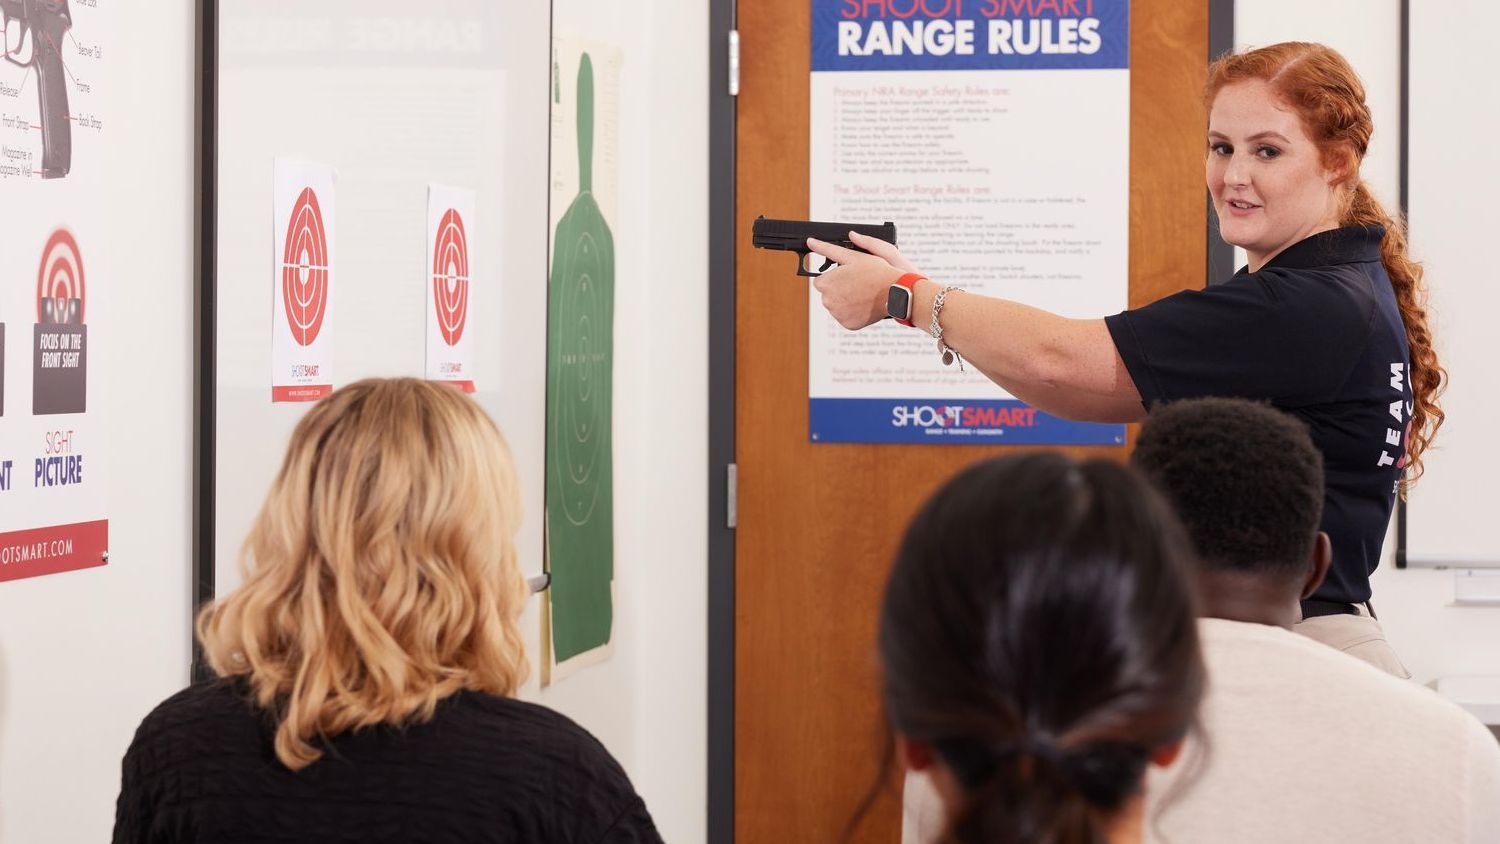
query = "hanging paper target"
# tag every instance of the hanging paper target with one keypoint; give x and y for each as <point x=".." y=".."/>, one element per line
<point x="304" y="269"/>
<point x="59" y="281"/>
<point x="450" y="277"/>
<point x="582" y="397"/>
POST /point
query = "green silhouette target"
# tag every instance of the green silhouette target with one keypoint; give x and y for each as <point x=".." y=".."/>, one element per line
<point x="580" y="396"/>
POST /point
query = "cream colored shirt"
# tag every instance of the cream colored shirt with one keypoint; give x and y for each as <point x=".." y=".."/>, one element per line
<point x="1302" y="743"/>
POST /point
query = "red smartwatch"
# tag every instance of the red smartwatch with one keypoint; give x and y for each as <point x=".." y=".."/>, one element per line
<point x="898" y="300"/>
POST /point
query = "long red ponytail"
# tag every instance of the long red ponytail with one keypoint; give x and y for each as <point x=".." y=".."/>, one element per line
<point x="1329" y="97"/>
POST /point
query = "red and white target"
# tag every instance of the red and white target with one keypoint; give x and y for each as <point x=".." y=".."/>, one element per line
<point x="450" y="277"/>
<point x="304" y="269"/>
<point x="59" y="279"/>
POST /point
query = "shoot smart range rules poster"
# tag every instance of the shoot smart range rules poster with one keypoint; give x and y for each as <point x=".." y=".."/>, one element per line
<point x="995" y="134"/>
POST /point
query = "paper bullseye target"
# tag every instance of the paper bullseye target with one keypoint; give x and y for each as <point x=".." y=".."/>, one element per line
<point x="304" y="269"/>
<point x="450" y="277"/>
<point x="59" y="280"/>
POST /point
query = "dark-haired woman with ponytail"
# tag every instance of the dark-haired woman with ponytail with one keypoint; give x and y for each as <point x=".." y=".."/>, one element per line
<point x="1327" y="321"/>
<point x="1039" y="650"/>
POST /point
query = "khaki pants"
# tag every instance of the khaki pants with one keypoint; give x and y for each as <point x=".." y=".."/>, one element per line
<point x="1359" y="636"/>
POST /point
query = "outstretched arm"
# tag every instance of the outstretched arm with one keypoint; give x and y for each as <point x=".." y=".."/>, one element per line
<point x="1066" y="367"/>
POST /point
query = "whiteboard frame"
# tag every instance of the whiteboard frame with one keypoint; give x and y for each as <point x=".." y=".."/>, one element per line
<point x="208" y="510"/>
<point x="1403" y="558"/>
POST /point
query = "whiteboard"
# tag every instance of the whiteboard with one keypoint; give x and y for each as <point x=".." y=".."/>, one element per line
<point x="395" y="97"/>
<point x="1451" y="512"/>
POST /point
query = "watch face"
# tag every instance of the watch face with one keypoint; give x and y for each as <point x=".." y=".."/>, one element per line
<point x="898" y="302"/>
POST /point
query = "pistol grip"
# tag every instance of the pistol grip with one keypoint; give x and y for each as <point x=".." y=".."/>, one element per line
<point x="52" y="91"/>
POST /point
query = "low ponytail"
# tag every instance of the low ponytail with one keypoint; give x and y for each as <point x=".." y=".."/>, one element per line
<point x="1042" y="793"/>
<point x="1038" y="639"/>
<point x="1020" y="809"/>
<point x="1428" y="378"/>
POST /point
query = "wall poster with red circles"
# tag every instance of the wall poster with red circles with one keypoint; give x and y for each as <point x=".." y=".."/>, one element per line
<point x="52" y="423"/>
<point x="447" y="283"/>
<point x="56" y="288"/>
<point x="302" y="281"/>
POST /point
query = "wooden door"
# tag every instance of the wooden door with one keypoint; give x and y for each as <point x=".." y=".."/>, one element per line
<point x="818" y="523"/>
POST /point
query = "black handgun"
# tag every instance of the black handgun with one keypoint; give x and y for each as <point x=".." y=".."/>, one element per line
<point x="792" y="235"/>
<point x="45" y="23"/>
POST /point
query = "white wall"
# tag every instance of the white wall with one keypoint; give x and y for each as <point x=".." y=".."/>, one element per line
<point x="662" y="399"/>
<point x="84" y="655"/>
<point x="1433" y="637"/>
<point x="649" y="702"/>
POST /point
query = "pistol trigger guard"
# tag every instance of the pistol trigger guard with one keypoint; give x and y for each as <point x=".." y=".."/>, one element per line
<point x="23" y="36"/>
<point x="802" y="269"/>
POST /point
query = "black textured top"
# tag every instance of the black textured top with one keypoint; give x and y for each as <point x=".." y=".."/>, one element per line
<point x="1318" y="334"/>
<point x="485" y="769"/>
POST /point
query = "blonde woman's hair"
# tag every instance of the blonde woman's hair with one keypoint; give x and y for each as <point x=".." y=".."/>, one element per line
<point x="380" y="575"/>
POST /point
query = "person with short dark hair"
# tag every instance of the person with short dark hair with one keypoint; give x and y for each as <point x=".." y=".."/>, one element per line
<point x="1300" y="742"/>
<point x="1038" y="647"/>
<point x="1247" y="482"/>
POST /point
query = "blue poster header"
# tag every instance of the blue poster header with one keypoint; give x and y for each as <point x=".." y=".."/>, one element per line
<point x="951" y="422"/>
<point x="970" y="34"/>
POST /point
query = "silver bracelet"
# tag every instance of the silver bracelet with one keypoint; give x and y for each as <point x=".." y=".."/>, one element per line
<point x="948" y="352"/>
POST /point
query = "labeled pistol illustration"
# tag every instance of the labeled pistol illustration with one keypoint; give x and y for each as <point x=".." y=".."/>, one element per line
<point x="40" y="26"/>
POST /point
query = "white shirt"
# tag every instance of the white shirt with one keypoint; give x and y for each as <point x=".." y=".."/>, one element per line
<point x="1303" y="743"/>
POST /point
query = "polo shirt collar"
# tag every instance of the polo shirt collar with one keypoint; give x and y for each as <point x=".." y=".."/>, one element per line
<point x="1347" y="245"/>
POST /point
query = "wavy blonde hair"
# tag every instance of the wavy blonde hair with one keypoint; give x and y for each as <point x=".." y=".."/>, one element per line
<point x="380" y="575"/>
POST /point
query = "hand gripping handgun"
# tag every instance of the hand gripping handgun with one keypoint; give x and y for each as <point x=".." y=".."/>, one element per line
<point x="44" y="23"/>
<point x="792" y="235"/>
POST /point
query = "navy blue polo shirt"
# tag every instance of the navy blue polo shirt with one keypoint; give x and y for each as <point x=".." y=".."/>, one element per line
<point x="1317" y="333"/>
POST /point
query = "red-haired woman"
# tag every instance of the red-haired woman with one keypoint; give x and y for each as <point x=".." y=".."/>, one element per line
<point x="1326" y="322"/>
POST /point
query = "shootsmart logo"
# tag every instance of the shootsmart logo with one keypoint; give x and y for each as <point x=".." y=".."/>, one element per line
<point x="926" y="415"/>
<point x="961" y="416"/>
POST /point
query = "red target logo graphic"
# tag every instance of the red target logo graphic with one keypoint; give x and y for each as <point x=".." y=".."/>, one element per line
<point x="304" y="269"/>
<point x="59" y="281"/>
<point x="450" y="277"/>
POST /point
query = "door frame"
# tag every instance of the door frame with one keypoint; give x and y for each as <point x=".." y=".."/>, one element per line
<point x="721" y="415"/>
<point x="722" y="244"/>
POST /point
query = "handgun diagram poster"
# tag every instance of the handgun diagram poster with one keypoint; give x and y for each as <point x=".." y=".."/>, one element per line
<point x="579" y="616"/>
<point x="55" y="286"/>
<point x="52" y="86"/>
<point x="448" y="282"/>
<point x="995" y="135"/>
<point x="302" y="281"/>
